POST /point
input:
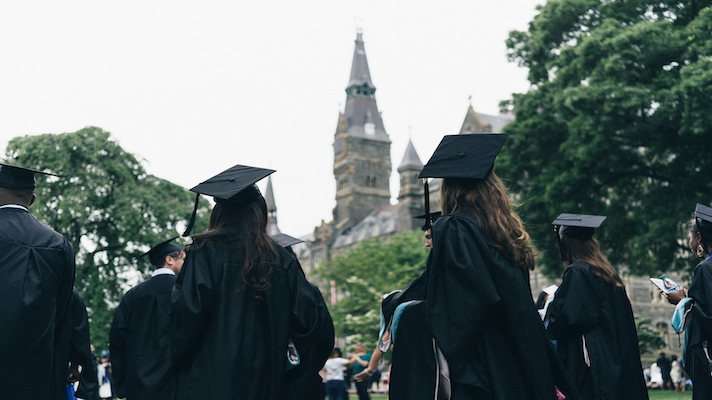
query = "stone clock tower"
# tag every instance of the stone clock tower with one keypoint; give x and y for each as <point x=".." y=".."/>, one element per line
<point x="362" y="149"/>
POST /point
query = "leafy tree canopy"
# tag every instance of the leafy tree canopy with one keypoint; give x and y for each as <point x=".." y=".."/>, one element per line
<point x="649" y="340"/>
<point x="366" y="272"/>
<point x="617" y="122"/>
<point x="107" y="206"/>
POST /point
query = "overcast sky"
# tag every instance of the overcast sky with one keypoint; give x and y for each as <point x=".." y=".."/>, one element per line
<point x="194" y="87"/>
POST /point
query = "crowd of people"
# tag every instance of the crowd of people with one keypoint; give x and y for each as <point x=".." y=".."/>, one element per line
<point x="232" y="314"/>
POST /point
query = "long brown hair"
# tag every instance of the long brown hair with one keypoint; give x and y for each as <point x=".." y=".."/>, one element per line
<point x="230" y="224"/>
<point x="589" y="252"/>
<point x="486" y="199"/>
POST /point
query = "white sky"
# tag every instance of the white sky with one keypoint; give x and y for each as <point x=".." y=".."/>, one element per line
<point x="194" y="87"/>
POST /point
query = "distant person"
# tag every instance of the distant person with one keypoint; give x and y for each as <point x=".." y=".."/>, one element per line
<point x="240" y="300"/>
<point x="696" y="358"/>
<point x="676" y="374"/>
<point x="105" y="378"/>
<point x="664" y="364"/>
<point x="36" y="279"/>
<point x="591" y="317"/>
<point x="140" y="338"/>
<point x="335" y="368"/>
<point x="428" y="221"/>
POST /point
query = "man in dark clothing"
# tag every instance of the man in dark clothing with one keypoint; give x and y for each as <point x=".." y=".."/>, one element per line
<point x="36" y="278"/>
<point x="665" y="366"/>
<point x="140" y="335"/>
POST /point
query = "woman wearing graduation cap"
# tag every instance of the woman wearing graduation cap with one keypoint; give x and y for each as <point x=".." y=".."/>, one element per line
<point x="591" y="317"/>
<point x="467" y="328"/>
<point x="239" y="300"/>
<point x="698" y="299"/>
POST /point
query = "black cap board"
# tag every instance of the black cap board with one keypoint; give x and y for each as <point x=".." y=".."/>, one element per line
<point x="577" y="226"/>
<point x="235" y="185"/>
<point x="429" y="219"/>
<point x="15" y="177"/>
<point x="469" y="156"/>
<point x="703" y="218"/>
<point x="285" y="240"/>
<point x="159" y="252"/>
<point x="230" y="184"/>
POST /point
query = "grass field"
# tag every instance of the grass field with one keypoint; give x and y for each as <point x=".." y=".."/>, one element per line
<point x="654" y="395"/>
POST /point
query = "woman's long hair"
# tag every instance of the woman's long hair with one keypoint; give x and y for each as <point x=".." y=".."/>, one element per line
<point x="589" y="252"/>
<point x="230" y="224"/>
<point x="487" y="200"/>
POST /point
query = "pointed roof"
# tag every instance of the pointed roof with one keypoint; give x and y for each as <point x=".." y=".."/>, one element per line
<point x="269" y="197"/>
<point x="410" y="158"/>
<point x="361" y="113"/>
<point x="474" y="124"/>
<point x="360" y="74"/>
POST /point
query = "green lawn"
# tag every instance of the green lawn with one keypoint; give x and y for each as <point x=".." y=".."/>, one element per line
<point x="654" y="395"/>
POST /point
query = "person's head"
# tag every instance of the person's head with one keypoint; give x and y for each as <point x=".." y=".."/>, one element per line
<point x="359" y="348"/>
<point x="700" y="239"/>
<point x="22" y="197"/>
<point x="589" y="252"/>
<point x="246" y="225"/>
<point x="486" y="199"/>
<point x="336" y="352"/>
<point x="428" y="235"/>
<point x="174" y="261"/>
<point x="673" y="357"/>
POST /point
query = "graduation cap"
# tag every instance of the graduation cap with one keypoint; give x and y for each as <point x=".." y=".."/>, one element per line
<point x="285" y="240"/>
<point x="159" y="252"/>
<point x="234" y="186"/>
<point x="577" y="226"/>
<point x="15" y="177"/>
<point x="429" y="219"/>
<point x="464" y="156"/>
<point x="703" y="217"/>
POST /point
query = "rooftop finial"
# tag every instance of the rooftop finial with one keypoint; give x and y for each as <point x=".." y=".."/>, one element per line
<point x="470" y="100"/>
<point x="358" y="22"/>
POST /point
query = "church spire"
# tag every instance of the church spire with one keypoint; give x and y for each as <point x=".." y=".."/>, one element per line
<point x="272" y="228"/>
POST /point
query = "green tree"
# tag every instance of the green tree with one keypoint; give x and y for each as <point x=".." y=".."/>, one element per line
<point x="366" y="272"/>
<point x="617" y="122"/>
<point x="648" y="339"/>
<point x="109" y="209"/>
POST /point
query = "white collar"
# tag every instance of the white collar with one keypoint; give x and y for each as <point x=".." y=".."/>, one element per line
<point x="15" y="206"/>
<point x="162" y="271"/>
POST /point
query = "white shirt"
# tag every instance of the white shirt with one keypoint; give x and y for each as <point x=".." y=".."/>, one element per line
<point x="335" y="369"/>
<point x="162" y="271"/>
<point x="14" y="206"/>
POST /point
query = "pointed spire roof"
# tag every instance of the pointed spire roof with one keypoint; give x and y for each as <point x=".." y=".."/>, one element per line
<point x="361" y="112"/>
<point x="360" y="74"/>
<point x="410" y="159"/>
<point x="474" y="124"/>
<point x="269" y="197"/>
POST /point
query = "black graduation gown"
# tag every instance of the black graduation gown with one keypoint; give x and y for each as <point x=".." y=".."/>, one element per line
<point x="140" y="341"/>
<point x="36" y="279"/>
<point x="479" y="310"/>
<point x="76" y="349"/>
<point x="700" y="330"/>
<point x="586" y="306"/>
<point x="226" y="345"/>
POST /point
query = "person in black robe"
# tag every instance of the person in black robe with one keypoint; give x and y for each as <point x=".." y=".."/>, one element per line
<point x="591" y="317"/>
<point x="240" y="301"/>
<point x="303" y="380"/>
<point x="76" y="351"/>
<point x="696" y="356"/>
<point x="140" y="337"/>
<point x="467" y="327"/>
<point x="36" y="279"/>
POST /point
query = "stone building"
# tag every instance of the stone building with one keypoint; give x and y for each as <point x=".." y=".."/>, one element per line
<point x="362" y="169"/>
